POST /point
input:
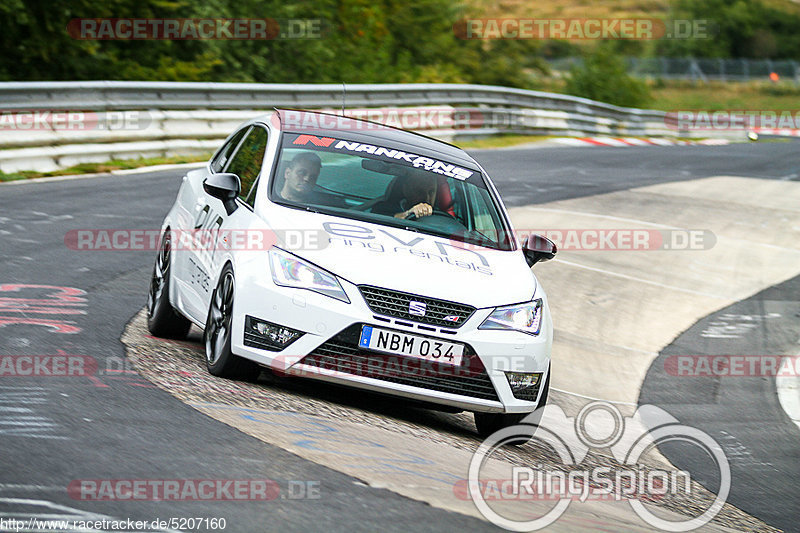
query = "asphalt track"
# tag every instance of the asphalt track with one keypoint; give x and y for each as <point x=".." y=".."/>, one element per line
<point x="57" y="430"/>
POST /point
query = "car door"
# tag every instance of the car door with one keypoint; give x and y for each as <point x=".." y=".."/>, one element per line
<point x="243" y="156"/>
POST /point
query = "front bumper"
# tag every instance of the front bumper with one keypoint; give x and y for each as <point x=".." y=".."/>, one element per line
<point x="329" y="350"/>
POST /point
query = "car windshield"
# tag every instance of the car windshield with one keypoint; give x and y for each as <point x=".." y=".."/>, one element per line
<point x="388" y="186"/>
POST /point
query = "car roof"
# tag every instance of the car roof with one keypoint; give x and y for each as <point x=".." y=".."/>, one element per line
<point x="367" y="132"/>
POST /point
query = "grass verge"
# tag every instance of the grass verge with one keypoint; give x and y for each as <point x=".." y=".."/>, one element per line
<point x="108" y="166"/>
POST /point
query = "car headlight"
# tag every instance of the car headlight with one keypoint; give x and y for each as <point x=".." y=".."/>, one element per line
<point x="526" y="318"/>
<point x="291" y="271"/>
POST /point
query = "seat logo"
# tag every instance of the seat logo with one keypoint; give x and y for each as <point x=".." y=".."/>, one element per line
<point x="417" y="308"/>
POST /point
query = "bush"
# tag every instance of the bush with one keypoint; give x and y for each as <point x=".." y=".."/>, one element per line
<point x="603" y="77"/>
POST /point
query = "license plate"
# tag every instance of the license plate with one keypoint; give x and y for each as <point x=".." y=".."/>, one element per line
<point x="384" y="340"/>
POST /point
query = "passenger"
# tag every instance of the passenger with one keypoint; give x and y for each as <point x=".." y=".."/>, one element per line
<point x="418" y="196"/>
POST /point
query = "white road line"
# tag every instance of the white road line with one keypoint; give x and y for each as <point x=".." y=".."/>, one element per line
<point x="641" y="280"/>
<point x="595" y="215"/>
<point x="41" y="423"/>
<point x="789" y="394"/>
<point x="593" y="398"/>
<point x="74" y="514"/>
<point x="16" y="486"/>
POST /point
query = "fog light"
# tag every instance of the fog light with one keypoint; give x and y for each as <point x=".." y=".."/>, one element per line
<point x="268" y="336"/>
<point x="524" y="385"/>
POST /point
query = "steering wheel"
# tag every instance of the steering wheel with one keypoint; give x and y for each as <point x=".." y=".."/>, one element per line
<point x="436" y="211"/>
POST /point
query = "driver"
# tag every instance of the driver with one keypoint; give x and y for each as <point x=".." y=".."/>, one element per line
<point x="418" y="198"/>
<point x="301" y="176"/>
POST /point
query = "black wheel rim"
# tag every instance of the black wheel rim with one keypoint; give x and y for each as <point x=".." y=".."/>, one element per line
<point x="160" y="272"/>
<point x="220" y="315"/>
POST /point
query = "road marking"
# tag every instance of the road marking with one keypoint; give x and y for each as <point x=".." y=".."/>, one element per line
<point x="635" y="404"/>
<point x="640" y="280"/>
<point x="789" y="395"/>
<point x="595" y="215"/>
<point x="31" y="426"/>
<point x="65" y="513"/>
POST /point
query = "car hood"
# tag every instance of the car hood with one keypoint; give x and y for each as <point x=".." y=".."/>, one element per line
<point x="364" y="253"/>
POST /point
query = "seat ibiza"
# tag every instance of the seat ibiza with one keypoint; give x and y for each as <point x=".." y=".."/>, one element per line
<point x="341" y="250"/>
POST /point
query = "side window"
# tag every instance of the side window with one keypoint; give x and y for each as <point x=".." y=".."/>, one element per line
<point x="246" y="163"/>
<point x="222" y="157"/>
<point x="483" y="217"/>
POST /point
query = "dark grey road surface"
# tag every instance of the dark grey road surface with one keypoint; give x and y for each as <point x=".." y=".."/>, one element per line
<point x="742" y="413"/>
<point x="539" y="175"/>
<point x="54" y="430"/>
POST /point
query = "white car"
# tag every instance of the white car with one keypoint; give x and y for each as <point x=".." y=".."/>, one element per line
<point x="359" y="254"/>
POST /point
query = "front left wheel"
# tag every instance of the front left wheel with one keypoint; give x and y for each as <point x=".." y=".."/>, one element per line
<point x="220" y="361"/>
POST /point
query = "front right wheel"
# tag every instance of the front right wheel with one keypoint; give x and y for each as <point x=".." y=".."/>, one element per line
<point x="488" y="423"/>
<point x="220" y="361"/>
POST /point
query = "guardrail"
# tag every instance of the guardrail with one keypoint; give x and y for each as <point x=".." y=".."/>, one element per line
<point x="50" y="125"/>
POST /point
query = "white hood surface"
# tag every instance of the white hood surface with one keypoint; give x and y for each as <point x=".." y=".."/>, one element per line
<point x="365" y="253"/>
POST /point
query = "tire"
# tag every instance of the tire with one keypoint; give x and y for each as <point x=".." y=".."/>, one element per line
<point x="220" y="361"/>
<point x="162" y="319"/>
<point x="488" y="423"/>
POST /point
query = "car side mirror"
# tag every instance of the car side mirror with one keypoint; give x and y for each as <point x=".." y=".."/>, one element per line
<point x="538" y="248"/>
<point x="224" y="186"/>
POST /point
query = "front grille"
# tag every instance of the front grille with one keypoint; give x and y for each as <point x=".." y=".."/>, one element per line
<point x="342" y="354"/>
<point x="395" y="303"/>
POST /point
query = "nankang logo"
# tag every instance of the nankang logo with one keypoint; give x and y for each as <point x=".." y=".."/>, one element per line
<point x="417" y="308"/>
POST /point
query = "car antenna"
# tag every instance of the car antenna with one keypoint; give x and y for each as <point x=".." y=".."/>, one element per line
<point x="344" y="96"/>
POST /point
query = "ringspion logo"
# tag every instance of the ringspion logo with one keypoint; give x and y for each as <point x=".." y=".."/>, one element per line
<point x="598" y="425"/>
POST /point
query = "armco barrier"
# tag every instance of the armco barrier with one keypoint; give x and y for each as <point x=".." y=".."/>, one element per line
<point x="179" y="118"/>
